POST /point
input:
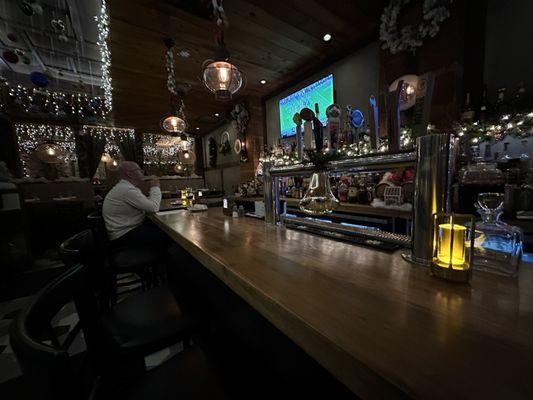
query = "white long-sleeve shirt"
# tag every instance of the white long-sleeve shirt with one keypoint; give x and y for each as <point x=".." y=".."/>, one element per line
<point x="125" y="207"/>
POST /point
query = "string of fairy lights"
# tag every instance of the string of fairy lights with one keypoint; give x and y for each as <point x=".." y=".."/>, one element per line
<point x="39" y="100"/>
<point x="163" y="149"/>
<point x="29" y="136"/>
<point x="519" y="125"/>
<point x="103" y="35"/>
<point x="516" y="124"/>
<point x="279" y="157"/>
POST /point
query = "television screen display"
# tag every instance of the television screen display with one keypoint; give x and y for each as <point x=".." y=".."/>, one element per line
<point x="320" y="92"/>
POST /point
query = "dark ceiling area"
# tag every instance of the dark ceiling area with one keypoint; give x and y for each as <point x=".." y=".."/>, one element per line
<point x="272" y="40"/>
<point x="58" y="38"/>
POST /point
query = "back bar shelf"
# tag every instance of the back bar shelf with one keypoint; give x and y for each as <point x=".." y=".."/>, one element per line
<point x="367" y="163"/>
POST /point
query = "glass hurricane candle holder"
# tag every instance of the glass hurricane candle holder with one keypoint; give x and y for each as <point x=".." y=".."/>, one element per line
<point x="453" y="246"/>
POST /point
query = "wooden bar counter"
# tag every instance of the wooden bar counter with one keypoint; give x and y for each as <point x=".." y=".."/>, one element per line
<point x="380" y="325"/>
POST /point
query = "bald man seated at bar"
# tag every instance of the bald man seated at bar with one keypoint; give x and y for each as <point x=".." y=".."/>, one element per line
<point x="125" y="207"/>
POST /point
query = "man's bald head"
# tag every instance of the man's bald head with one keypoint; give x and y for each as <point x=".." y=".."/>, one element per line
<point x="131" y="172"/>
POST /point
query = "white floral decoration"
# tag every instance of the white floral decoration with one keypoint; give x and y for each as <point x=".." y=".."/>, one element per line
<point x="410" y="37"/>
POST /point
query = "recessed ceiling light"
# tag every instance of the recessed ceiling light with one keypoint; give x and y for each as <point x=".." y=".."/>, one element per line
<point x="197" y="128"/>
<point x="217" y="114"/>
<point x="327" y="37"/>
<point x="263" y="81"/>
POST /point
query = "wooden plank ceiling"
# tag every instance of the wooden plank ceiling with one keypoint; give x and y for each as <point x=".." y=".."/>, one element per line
<point x="276" y="40"/>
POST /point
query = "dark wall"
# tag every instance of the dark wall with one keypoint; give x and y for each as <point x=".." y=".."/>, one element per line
<point x="8" y="146"/>
<point x="509" y="46"/>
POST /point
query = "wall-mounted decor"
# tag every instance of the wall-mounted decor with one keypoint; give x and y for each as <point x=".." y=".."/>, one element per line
<point x="410" y="37"/>
<point x="225" y="147"/>
<point x="212" y="152"/>
<point x="408" y="91"/>
<point x="237" y="146"/>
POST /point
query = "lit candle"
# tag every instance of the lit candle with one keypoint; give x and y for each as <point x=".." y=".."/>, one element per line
<point x="449" y="252"/>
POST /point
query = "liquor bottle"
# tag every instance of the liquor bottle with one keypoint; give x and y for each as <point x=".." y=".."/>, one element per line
<point x="343" y="191"/>
<point x="485" y="109"/>
<point x="468" y="113"/>
<point x="353" y="191"/>
<point x="519" y="104"/>
<point x="502" y="105"/>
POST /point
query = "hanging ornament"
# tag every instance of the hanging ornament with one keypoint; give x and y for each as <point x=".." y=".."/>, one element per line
<point x="12" y="36"/>
<point x="26" y="8"/>
<point x="37" y="8"/>
<point x="10" y="56"/>
<point x="58" y="25"/>
<point x="174" y="122"/>
<point x="219" y="75"/>
<point x="39" y="79"/>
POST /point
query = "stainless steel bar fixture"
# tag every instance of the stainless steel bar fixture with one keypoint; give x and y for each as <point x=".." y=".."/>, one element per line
<point x="434" y="169"/>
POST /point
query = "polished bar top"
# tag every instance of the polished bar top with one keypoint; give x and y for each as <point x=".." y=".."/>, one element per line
<point x="382" y="326"/>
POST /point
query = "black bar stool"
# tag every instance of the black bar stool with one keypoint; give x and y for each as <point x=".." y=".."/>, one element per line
<point x="141" y="323"/>
<point x="125" y="261"/>
<point x="51" y="373"/>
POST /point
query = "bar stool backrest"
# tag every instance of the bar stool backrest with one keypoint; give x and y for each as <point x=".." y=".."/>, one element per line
<point x="47" y="366"/>
<point x="82" y="248"/>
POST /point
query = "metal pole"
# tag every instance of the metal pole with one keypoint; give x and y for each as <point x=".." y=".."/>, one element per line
<point x="434" y="169"/>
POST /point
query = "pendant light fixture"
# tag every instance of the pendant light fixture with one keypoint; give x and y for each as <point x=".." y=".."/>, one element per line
<point x="219" y="75"/>
<point x="174" y="122"/>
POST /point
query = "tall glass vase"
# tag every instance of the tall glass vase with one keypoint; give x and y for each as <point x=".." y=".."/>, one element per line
<point x="319" y="198"/>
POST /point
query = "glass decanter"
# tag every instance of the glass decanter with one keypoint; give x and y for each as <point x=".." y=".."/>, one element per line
<point x="319" y="199"/>
<point x="497" y="246"/>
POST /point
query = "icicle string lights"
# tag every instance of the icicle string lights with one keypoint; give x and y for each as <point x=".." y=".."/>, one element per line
<point x="103" y="35"/>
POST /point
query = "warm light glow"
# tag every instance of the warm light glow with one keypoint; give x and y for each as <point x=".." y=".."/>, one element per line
<point x="409" y="90"/>
<point x="263" y="81"/>
<point x="448" y="252"/>
<point x="174" y="124"/>
<point x="326" y="37"/>
<point x="223" y="74"/>
<point x="115" y="163"/>
<point x="186" y="155"/>
<point x="51" y="151"/>
<point x="105" y="158"/>
<point x="222" y="78"/>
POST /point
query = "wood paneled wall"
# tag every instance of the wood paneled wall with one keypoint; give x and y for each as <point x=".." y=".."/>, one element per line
<point x="255" y="138"/>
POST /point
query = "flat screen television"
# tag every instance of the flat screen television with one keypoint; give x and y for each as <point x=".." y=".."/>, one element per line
<point x="320" y="92"/>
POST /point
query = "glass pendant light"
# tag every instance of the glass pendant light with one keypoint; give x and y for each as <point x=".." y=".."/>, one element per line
<point x="50" y="153"/>
<point x="174" y="122"/>
<point x="219" y="75"/>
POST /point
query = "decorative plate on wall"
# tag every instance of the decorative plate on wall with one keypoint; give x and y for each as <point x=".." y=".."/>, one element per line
<point x="237" y="146"/>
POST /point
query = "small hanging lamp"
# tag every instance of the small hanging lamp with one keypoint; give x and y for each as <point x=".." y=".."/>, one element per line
<point x="219" y="75"/>
<point x="174" y="122"/>
<point x="50" y="153"/>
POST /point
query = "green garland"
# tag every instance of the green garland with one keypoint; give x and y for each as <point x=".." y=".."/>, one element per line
<point x="320" y="159"/>
<point x="518" y="125"/>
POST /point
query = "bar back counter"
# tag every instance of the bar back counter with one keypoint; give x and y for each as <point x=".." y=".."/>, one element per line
<point x="378" y="324"/>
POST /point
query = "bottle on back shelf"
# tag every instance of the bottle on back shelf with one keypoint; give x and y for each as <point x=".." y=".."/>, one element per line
<point x="353" y="191"/>
<point x="468" y="113"/>
<point x="485" y="110"/>
<point x="519" y="102"/>
<point x="502" y="105"/>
